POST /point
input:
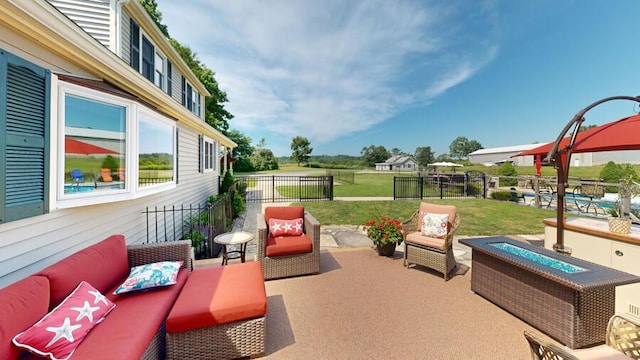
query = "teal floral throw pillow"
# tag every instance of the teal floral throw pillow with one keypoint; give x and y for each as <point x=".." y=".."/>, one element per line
<point x="150" y="276"/>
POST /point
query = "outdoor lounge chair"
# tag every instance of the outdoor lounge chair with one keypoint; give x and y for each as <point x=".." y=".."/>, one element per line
<point x="515" y="197"/>
<point x="622" y="342"/>
<point x="76" y="176"/>
<point x="433" y="252"/>
<point x="105" y="174"/>
<point x="288" y="255"/>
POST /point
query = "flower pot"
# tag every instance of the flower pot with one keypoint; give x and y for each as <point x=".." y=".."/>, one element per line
<point x="619" y="226"/>
<point x="386" y="249"/>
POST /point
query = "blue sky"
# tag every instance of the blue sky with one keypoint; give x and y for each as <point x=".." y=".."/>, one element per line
<point x="403" y="74"/>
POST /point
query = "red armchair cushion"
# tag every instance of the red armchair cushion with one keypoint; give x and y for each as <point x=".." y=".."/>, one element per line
<point x="288" y="245"/>
<point x="24" y="303"/>
<point x="219" y="295"/>
<point x="102" y="265"/>
<point x="283" y="212"/>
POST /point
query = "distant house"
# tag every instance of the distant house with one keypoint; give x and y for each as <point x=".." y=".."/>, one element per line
<point x="100" y="119"/>
<point x="398" y="162"/>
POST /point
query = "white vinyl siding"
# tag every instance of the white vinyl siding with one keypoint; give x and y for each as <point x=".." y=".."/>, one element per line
<point x="125" y="40"/>
<point x="93" y="16"/>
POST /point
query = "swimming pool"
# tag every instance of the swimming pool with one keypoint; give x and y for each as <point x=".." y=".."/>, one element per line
<point x="85" y="188"/>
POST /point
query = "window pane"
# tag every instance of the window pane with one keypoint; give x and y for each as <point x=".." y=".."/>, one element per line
<point x="94" y="145"/>
<point x="159" y="64"/>
<point x="156" y="151"/>
<point x="147" y="59"/>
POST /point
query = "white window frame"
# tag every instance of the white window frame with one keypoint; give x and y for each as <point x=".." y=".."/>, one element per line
<point x="131" y="189"/>
<point x="209" y="153"/>
<point x="159" y="70"/>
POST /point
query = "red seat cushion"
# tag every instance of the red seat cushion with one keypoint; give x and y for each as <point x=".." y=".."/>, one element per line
<point x="283" y="212"/>
<point x="219" y="295"/>
<point x="289" y="245"/>
<point x="102" y="265"/>
<point x="129" y="328"/>
<point x="24" y="303"/>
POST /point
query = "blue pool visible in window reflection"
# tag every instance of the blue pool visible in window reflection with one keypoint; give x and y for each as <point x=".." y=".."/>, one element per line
<point x="539" y="258"/>
<point x="75" y="189"/>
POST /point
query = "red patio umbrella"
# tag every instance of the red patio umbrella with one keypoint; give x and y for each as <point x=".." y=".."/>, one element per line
<point x="613" y="136"/>
<point x="73" y="146"/>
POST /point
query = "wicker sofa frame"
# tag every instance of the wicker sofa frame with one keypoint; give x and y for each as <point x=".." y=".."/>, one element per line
<point x="150" y="253"/>
<point x="622" y="335"/>
<point x="436" y="259"/>
<point x="289" y="265"/>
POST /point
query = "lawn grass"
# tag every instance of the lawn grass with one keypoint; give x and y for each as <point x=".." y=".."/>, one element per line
<point x="478" y="216"/>
<point x="367" y="184"/>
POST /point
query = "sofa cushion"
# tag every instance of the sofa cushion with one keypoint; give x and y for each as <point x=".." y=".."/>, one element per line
<point x="102" y="265"/>
<point x="219" y="295"/>
<point x="24" y="302"/>
<point x="418" y="239"/>
<point x="130" y="327"/>
<point x="277" y="246"/>
<point x="280" y="227"/>
<point x="61" y="331"/>
<point x="148" y="276"/>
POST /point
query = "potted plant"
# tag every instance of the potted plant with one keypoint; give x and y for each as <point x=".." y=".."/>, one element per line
<point x="620" y="221"/>
<point x="385" y="233"/>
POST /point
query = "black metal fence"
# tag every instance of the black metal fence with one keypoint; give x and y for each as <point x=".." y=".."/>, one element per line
<point x="443" y="186"/>
<point x="343" y="176"/>
<point x="276" y="188"/>
<point x="198" y="222"/>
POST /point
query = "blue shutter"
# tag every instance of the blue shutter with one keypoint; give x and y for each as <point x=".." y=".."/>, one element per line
<point x="24" y="146"/>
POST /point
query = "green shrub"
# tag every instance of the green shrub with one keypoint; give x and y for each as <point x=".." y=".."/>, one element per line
<point x="227" y="181"/>
<point x="613" y="173"/>
<point x="501" y="195"/>
<point x="506" y="169"/>
<point x="238" y="204"/>
<point x="110" y="163"/>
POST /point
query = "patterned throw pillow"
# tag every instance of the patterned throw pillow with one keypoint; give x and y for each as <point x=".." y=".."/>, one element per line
<point x="434" y="225"/>
<point x="278" y="227"/>
<point x="150" y="276"/>
<point x="60" y="332"/>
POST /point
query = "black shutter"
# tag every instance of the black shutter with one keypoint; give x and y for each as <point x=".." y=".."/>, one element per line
<point x="184" y="91"/>
<point x="24" y="146"/>
<point x="134" y="45"/>
<point x="200" y="151"/>
<point x="189" y="97"/>
<point x="169" y="78"/>
<point x="148" y="57"/>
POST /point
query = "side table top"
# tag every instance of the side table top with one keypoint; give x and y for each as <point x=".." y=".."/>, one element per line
<point x="233" y="238"/>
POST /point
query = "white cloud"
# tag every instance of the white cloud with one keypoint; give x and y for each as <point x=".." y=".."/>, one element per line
<point x="324" y="69"/>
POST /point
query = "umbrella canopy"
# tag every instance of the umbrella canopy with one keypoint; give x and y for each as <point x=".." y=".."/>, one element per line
<point x="73" y="146"/>
<point x="445" y="164"/>
<point x="616" y="135"/>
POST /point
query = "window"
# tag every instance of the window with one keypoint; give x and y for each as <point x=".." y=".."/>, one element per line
<point x="134" y="45"/>
<point x="159" y="73"/>
<point x="190" y="97"/>
<point x="24" y="132"/>
<point x="209" y="154"/>
<point x="111" y="148"/>
<point x="147" y="59"/>
<point x="156" y="150"/>
<point x="195" y="106"/>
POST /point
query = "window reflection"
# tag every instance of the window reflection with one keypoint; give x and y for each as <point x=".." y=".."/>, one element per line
<point x="156" y="157"/>
<point x="94" y="145"/>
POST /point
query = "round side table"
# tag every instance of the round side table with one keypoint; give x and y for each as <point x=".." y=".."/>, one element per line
<point x="240" y="238"/>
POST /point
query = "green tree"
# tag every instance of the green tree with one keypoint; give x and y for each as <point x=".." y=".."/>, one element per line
<point x="300" y="149"/>
<point x="507" y="169"/>
<point x="241" y="153"/>
<point x="586" y="127"/>
<point x="374" y="154"/>
<point x="424" y="155"/>
<point x="263" y="158"/>
<point x="215" y="113"/>
<point x="461" y="147"/>
<point x="613" y="173"/>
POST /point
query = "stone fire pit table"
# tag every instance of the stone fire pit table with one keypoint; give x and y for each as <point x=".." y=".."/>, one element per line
<point x="569" y="299"/>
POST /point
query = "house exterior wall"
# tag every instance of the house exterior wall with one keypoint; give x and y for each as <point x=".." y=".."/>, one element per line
<point x="93" y="16"/>
<point x="30" y="244"/>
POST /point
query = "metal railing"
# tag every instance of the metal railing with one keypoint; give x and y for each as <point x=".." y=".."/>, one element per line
<point x="344" y="176"/>
<point x="443" y="186"/>
<point x="172" y="223"/>
<point x="277" y="188"/>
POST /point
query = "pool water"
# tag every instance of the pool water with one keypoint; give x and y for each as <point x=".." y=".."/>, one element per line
<point x="74" y="189"/>
<point x="539" y="258"/>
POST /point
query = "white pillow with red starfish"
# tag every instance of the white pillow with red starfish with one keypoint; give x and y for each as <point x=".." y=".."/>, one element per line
<point x="58" y="334"/>
<point x="279" y="227"/>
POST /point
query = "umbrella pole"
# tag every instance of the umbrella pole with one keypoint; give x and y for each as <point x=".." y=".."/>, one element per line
<point x="563" y="175"/>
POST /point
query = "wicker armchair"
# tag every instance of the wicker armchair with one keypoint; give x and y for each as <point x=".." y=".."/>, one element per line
<point x="433" y="253"/>
<point x="622" y="342"/>
<point x="292" y="264"/>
